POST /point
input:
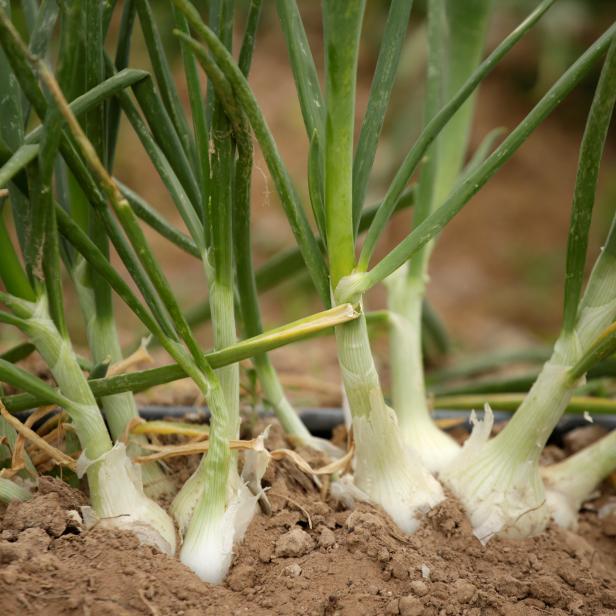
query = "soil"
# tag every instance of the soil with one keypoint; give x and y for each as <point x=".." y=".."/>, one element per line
<point x="308" y="557"/>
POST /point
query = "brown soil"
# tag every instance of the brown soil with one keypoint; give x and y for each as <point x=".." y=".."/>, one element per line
<point x="308" y="557"/>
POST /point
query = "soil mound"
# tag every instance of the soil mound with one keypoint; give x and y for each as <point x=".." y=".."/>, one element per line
<point x="306" y="558"/>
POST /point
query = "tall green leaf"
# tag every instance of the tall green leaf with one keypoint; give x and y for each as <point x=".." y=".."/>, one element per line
<point x="380" y="91"/>
<point x="591" y="151"/>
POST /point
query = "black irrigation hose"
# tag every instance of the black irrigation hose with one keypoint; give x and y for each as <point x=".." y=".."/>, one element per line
<point x="322" y="421"/>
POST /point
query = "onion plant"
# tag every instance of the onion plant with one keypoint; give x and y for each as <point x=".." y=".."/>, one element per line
<point x="208" y="175"/>
<point x="83" y="32"/>
<point x="34" y="297"/>
<point x="571" y="482"/>
<point x="499" y="480"/>
<point x="455" y="43"/>
<point x="81" y="22"/>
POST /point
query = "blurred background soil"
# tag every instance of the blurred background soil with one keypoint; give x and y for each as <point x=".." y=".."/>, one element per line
<point x="497" y="271"/>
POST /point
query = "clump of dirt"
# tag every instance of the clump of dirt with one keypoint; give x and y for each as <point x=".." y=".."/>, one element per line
<point x="307" y="558"/>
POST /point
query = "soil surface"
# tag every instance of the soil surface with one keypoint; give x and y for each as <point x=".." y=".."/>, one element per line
<point x="309" y="557"/>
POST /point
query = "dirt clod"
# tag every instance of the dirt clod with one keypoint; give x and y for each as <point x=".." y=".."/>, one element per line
<point x="609" y="598"/>
<point x="241" y="578"/>
<point x="294" y="543"/>
<point x="45" y="512"/>
<point x="464" y="591"/>
<point x="419" y="588"/>
<point x="392" y="607"/>
<point x="546" y="589"/>
<point x="383" y="555"/>
<point x="327" y="538"/>
<point x="399" y="569"/>
<point x="265" y="553"/>
<point x="410" y="606"/>
<point x="512" y="587"/>
<point x="69" y="498"/>
<point x="608" y="524"/>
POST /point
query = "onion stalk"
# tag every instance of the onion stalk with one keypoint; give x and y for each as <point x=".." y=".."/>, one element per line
<point x="116" y="492"/>
<point x="571" y="482"/>
<point x="93" y="292"/>
<point x="499" y="480"/>
<point x="383" y="470"/>
<point x="455" y="42"/>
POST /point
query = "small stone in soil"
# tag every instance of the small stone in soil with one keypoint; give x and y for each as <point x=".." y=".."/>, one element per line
<point x="584" y="586"/>
<point x="293" y="570"/>
<point x="569" y="573"/>
<point x="8" y="553"/>
<point x="534" y="603"/>
<point x="10" y="575"/>
<point x="534" y="562"/>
